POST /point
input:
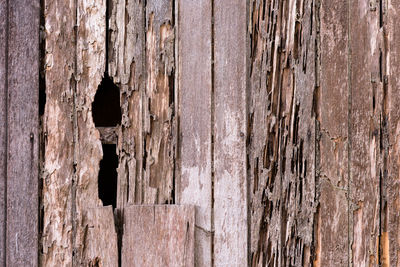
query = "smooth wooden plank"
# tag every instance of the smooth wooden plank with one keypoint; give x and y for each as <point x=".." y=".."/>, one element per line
<point x="194" y="85"/>
<point x="23" y="136"/>
<point x="3" y="127"/>
<point x="158" y="235"/>
<point x="230" y="183"/>
<point x="332" y="224"/>
<point x="366" y="87"/>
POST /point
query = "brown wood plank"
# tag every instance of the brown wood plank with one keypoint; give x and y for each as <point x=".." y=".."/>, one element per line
<point x="101" y="235"/>
<point x="158" y="235"/>
<point x="332" y="247"/>
<point x="230" y="183"/>
<point x="58" y="166"/>
<point x="194" y="85"/>
<point x="390" y="217"/>
<point x="364" y="122"/>
<point x="3" y="127"/>
<point x="126" y="66"/>
<point x="23" y="135"/>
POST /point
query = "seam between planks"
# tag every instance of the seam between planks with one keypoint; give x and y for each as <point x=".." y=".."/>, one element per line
<point x="6" y="131"/>
<point x="212" y="129"/>
<point x="349" y="146"/>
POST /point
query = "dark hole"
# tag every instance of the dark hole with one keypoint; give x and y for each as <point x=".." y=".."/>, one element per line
<point x="106" y="108"/>
<point x="108" y="176"/>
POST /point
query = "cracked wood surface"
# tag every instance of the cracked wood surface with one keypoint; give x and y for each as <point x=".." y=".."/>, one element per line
<point x="277" y="120"/>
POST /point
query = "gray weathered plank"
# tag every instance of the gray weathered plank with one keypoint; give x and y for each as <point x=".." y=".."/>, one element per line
<point x="3" y="127"/>
<point x="194" y="85"/>
<point x="230" y="183"/>
<point x="158" y="235"/>
<point x="23" y="135"/>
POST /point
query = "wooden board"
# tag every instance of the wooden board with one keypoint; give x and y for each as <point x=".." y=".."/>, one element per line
<point x="390" y="206"/>
<point x="3" y="127"/>
<point x="332" y="238"/>
<point x="230" y="183"/>
<point x="22" y="133"/>
<point x="158" y="235"/>
<point x="194" y="82"/>
<point x="366" y="105"/>
<point x="58" y="167"/>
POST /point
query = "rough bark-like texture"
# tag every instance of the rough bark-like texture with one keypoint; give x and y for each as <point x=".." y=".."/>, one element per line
<point x="173" y="228"/>
<point x="282" y="132"/>
<point x="75" y="63"/>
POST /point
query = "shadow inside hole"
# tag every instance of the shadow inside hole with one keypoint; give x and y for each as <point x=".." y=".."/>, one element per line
<point x="108" y="175"/>
<point x="106" y="107"/>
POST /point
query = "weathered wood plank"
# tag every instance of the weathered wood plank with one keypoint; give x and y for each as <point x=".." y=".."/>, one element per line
<point x="366" y="85"/>
<point x="100" y="234"/>
<point x="90" y="68"/>
<point x="332" y="247"/>
<point x="3" y="126"/>
<point x="194" y="85"/>
<point x="390" y="207"/>
<point x="126" y="60"/>
<point x="158" y="103"/>
<point x="230" y="183"/>
<point x="158" y="235"/>
<point x="58" y="166"/>
<point x="23" y="134"/>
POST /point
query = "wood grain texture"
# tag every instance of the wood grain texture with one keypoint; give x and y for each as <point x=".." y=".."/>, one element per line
<point x="194" y="82"/>
<point x="230" y="183"/>
<point x="158" y="235"/>
<point x="390" y="206"/>
<point x="366" y="42"/>
<point x="333" y="224"/>
<point x="23" y="134"/>
<point x="3" y="127"/>
<point x="101" y="235"/>
<point x="58" y="166"/>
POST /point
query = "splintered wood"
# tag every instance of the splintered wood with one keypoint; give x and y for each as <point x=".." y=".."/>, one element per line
<point x="158" y="235"/>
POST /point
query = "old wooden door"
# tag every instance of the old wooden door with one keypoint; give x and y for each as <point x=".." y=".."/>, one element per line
<point x="206" y="133"/>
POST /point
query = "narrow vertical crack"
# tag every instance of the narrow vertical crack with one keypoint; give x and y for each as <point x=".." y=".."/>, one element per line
<point x="349" y="136"/>
<point x="6" y="48"/>
<point x="212" y="129"/>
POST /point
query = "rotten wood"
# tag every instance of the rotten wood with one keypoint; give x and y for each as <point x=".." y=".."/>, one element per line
<point x="158" y="235"/>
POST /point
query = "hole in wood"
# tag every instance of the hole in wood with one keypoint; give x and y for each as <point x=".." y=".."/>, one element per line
<point x="106" y="107"/>
<point x="108" y="175"/>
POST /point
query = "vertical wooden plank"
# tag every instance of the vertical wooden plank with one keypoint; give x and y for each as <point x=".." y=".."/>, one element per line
<point x="230" y="183"/>
<point x="366" y="85"/>
<point x="3" y="125"/>
<point x="23" y="135"/>
<point x="390" y="238"/>
<point x="194" y="85"/>
<point x="332" y="224"/>
<point x="158" y="103"/>
<point x="58" y="166"/>
<point x="158" y="236"/>
<point x="126" y="57"/>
